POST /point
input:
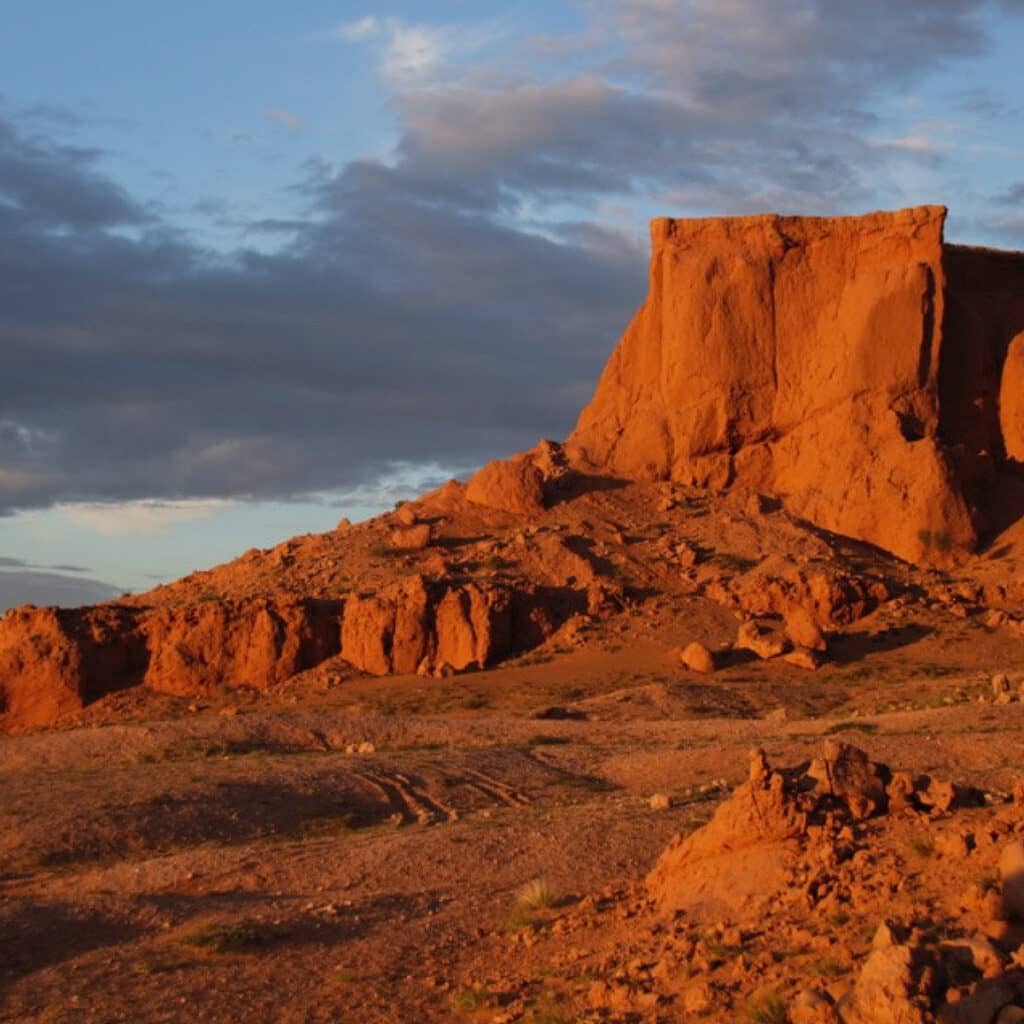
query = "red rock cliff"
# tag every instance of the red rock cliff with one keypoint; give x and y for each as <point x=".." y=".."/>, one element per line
<point x="802" y="357"/>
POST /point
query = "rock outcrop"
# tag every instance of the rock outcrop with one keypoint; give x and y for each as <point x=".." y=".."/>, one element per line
<point x="851" y="366"/>
<point x="53" y="661"/>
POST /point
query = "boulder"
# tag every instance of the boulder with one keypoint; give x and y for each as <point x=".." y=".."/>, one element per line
<point x="697" y="658"/>
<point x="410" y="538"/>
<point x="513" y="485"/>
<point x="802" y="629"/>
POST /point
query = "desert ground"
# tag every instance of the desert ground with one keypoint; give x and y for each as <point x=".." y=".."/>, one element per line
<point x="474" y="847"/>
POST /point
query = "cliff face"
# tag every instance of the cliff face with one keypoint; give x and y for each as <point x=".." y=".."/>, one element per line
<point x="54" y="661"/>
<point x="803" y="357"/>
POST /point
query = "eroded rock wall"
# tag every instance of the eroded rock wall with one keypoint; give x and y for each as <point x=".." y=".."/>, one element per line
<point x="53" y="662"/>
<point x="801" y="357"/>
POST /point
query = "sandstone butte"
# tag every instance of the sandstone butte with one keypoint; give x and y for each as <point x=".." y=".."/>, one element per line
<point x="858" y="371"/>
<point x="859" y="368"/>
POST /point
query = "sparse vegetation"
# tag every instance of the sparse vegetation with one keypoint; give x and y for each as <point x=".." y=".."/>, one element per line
<point x="469" y="1000"/>
<point x="922" y="847"/>
<point x="938" y="539"/>
<point x="827" y="968"/>
<point x="543" y="740"/>
<point x="236" y="937"/>
<point x="537" y="894"/>
<point x="767" y="1009"/>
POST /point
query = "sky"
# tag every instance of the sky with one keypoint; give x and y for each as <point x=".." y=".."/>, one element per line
<point x="262" y="268"/>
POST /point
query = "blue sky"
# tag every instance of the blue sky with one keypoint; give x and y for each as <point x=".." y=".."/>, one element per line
<point x="261" y="269"/>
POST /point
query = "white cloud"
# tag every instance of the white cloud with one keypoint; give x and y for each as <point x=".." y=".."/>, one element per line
<point x="286" y="117"/>
<point x="415" y="54"/>
<point x="148" y="517"/>
<point x="356" y="31"/>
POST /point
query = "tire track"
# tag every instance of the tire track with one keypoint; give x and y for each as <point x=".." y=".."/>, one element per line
<point x="495" y="789"/>
<point x="407" y="798"/>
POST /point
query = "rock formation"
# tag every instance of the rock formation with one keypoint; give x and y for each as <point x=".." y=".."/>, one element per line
<point x="55" y="661"/>
<point x="858" y="372"/>
<point x="852" y="366"/>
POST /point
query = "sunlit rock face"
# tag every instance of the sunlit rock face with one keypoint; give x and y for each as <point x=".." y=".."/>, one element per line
<point x="852" y="366"/>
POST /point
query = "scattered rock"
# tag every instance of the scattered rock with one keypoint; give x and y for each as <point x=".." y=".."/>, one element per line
<point x="660" y="802"/>
<point x="697" y="658"/>
<point x="803" y="657"/>
<point x="752" y="636"/>
<point x="812" y="1006"/>
<point x="803" y="631"/>
<point x="1011" y="871"/>
<point x="845" y="772"/>
<point x="406" y="514"/>
<point x="412" y="538"/>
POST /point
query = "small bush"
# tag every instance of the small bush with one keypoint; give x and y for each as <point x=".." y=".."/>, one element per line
<point x="827" y="968"/>
<point x="469" y="1000"/>
<point x="537" y="895"/>
<point x="767" y="1009"/>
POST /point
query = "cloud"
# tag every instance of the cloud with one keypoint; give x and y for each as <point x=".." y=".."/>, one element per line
<point x="57" y="186"/>
<point x="1013" y="196"/>
<point x="148" y="517"/>
<point x="456" y="300"/>
<point x="356" y="31"/>
<point x="50" y="588"/>
<point x="285" y="117"/>
<point x="411" y="54"/>
<point x="19" y="563"/>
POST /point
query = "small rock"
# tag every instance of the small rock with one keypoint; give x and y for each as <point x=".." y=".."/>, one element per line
<point x="1000" y="684"/>
<point x="811" y="1006"/>
<point x="660" y="802"/>
<point x="698" y="998"/>
<point x="406" y="515"/>
<point x="412" y="538"/>
<point x="803" y="630"/>
<point x="698" y="658"/>
<point x="754" y="637"/>
<point x="803" y="657"/>
<point x="1011" y="871"/>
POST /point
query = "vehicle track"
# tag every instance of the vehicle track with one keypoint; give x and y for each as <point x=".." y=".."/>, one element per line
<point x="408" y="797"/>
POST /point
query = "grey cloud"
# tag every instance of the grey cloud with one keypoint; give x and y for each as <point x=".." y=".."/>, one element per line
<point x="1013" y="196"/>
<point x="6" y="562"/>
<point x="57" y="187"/>
<point x="47" y="588"/>
<point x="394" y="328"/>
<point x="430" y="309"/>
